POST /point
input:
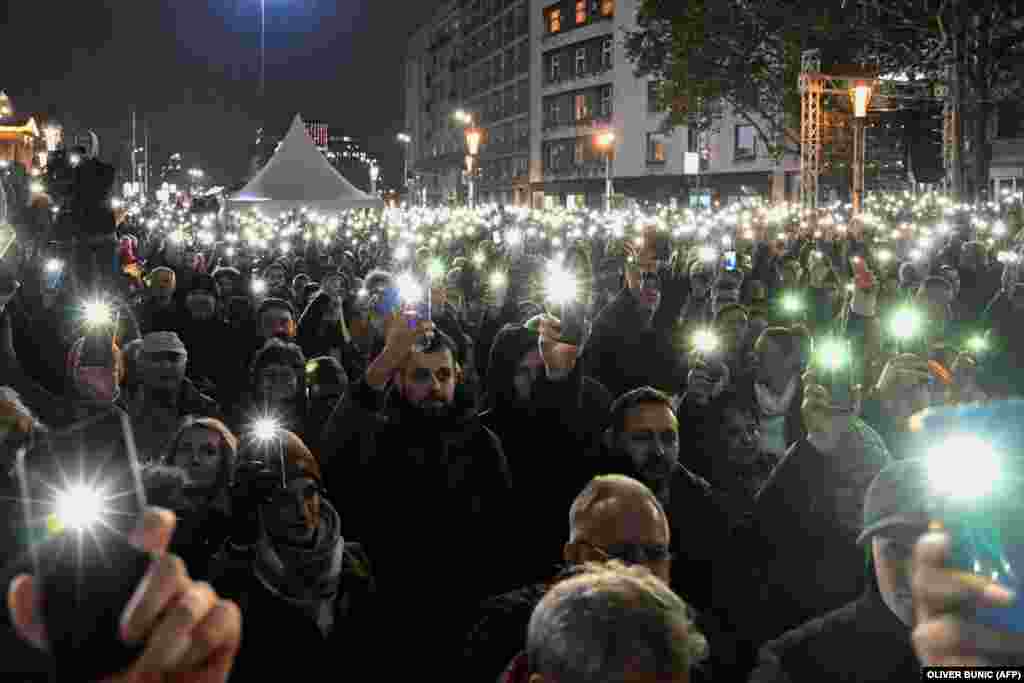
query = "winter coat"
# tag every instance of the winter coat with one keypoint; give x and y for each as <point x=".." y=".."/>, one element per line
<point x="435" y="489"/>
<point x="280" y="639"/>
<point x="208" y="351"/>
<point x="861" y="642"/>
<point x="566" y="419"/>
<point x="622" y="354"/>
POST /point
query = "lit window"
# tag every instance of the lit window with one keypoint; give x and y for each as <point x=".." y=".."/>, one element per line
<point x="745" y="143"/>
<point x="607" y="8"/>
<point x="582" y="107"/>
<point x="556" y="64"/>
<point x="606" y="53"/>
<point x="656" y="148"/>
<point x="581" y="61"/>
<point x="554" y="20"/>
<point x="581" y="12"/>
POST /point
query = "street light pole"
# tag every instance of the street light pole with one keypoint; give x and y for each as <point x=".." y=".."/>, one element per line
<point x="263" y="54"/>
<point x="607" y="141"/>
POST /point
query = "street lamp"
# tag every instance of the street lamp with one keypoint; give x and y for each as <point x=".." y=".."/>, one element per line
<point x="474" y="136"/>
<point x="860" y="96"/>
<point x="606" y="141"/>
<point x="374" y="175"/>
<point x="405" y="141"/>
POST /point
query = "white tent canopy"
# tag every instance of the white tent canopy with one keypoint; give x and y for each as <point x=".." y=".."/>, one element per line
<point x="299" y="176"/>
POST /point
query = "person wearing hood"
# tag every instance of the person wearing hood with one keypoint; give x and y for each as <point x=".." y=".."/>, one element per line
<point x="326" y="385"/>
<point x="159" y="311"/>
<point x="536" y="385"/>
<point x="200" y="329"/>
<point x="305" y="590"/>
<point x="408" y="428"/>
<point x="323" y="332"/>
<point x="163" y="395"/>
<point x="277" y="388"/>
<point x="634" y="338"/>
<point x="879" y="622"/>
<point x="192" y="479"/>
<point x="697" y="311"/>
<point x="774" y="377"/>
<point x="806" y="520"/>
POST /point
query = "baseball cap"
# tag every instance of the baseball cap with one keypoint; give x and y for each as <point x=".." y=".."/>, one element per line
<point x="898" y="497"/>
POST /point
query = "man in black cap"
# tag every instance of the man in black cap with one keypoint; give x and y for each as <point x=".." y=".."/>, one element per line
<point x="868" y="639"/>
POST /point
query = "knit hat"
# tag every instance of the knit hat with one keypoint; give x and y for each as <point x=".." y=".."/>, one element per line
<point x="898" y="496"/>
<point x="226" y="271"/>
<point x="163" y="342"/>
<point x="274" y="302"/>
<point x="325" y="371"/>
<point x="277" y="352"/>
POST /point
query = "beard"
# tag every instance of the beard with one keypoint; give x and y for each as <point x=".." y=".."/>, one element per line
<point x="433" y="409"/>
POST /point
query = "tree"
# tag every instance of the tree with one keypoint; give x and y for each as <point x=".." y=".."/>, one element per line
<point x="745" y="53"/>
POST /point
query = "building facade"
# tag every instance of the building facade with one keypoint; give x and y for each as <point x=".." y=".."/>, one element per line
<point x="21" y="141"/>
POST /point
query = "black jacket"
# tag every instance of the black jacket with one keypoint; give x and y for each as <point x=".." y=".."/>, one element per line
<point x="623" y="355"/>
<point x="431" y="491"/>
<point x="861" y="642"/>
<point x="548" y="442"/>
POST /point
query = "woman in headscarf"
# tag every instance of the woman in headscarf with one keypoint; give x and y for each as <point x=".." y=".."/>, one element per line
<point x="193" y="479"/>
<point x="277" y="388"/>
<point x="323" y="332"/>
<point x="305" y="590"/>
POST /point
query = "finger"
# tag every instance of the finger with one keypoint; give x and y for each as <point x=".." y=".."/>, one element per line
<point x="23" y="606"/>
<point x="938" y="589"/>
<point x="217" y="637"/>
<point x="172" y="638"/>
<point x="953" y="638"/>
<point x="155" y="530"/>
<point x="166" y="579"/>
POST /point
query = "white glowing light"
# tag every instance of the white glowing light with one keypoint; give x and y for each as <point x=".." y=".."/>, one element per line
<point x="705" y="341"/>
<point x="259" y="287"/>
<point x="560" y="286"/>
<point x="79" y="507"/>
<point x="98" y="314"/>
<point x="265" y="429"/>
<point x="951" y="475"/>
<point x="498" y="280"/>
<point x="54" y="265"/>
<point x="410" y="290"/>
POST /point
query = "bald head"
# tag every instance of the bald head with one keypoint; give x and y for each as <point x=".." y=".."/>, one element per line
<point x="616" y="515"/>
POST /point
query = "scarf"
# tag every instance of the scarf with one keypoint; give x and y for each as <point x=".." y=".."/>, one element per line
<point x="772" y="404"/>
<point x="308" y="578"/>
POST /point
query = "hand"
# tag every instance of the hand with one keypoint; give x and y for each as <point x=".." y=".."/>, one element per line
<point x="943" y="599"/>
<point x="559" y="358"/>
<point x="191" y="635"/>
<point x="826" y="425"/>
<point x="401" y="336"/>
<point x="706" y="381"/>
<point x="901" y="375"/>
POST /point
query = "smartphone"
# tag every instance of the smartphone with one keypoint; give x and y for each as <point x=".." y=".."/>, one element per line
<point x="988" y="540"/>
<point x="54" y="277"/>
<point x="835" y="372"/>
<point x="729" y="260"/>
<point x="574" y="323"/>
<point x="386" y="301"/>
<point x="81" y="497"/>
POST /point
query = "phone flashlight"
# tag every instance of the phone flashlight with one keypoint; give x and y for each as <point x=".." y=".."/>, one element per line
<point x="978" y="501"/>
<point x="54" y="273"/>
<point x="82" y="498"/>
<point x="836" y="372"/>
<point x="705" y="341"/>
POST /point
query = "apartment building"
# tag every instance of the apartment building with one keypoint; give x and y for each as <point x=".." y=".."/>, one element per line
<point x="543" y="79"/>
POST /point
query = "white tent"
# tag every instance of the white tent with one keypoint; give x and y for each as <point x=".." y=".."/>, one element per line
<point x="299" y="176"/>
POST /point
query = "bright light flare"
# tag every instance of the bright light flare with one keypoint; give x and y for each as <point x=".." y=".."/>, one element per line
<point x="832" y="354"/>
<point x="265" y="429"/>
<point x="435" y="269"/>
<point x="560" y="285"/>
<point x="705" y="341"/>
<point x="707" y="254"/>
<point x="259" y="287"/>
<point x="498" y="280"/>
<point x="905" y="323"/>
<point x="54" y="265"/>
<point x="977" y="343"/>
<point x="79" y="507"/>
<point x="410" y="291"/>
<point x="98" y="314"/>
<point x="792" y="304"/>
<point x="964" y="467"/>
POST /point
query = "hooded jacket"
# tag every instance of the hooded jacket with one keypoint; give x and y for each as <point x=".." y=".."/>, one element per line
<point x="568" y="416"/>
<point x="433" y="489"/>
<point x="316" y="341"/>
<point x="623" y="354"/>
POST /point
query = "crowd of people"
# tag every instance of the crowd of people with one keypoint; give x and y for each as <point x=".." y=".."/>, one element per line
<point x="722" y="475"/>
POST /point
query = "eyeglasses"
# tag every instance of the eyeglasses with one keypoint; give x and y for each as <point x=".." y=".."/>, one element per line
<point x="632" y="553"/>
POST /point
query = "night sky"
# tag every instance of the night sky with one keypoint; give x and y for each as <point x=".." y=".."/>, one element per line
<point x="191" y="70"/>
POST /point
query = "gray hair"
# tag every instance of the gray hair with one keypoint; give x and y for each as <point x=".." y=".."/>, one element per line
<point x="603" y="488"/>
<point x="609" y="621"/>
